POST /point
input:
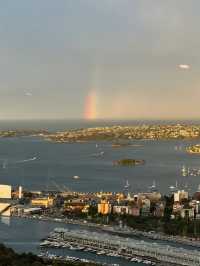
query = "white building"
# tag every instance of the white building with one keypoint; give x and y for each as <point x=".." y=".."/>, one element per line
<point x="180" y="195"/>
<point x="121" y="209"/>
<point x="5" y="192"/>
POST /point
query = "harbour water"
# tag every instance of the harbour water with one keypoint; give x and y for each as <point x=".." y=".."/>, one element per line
<point x="55" y="165"/>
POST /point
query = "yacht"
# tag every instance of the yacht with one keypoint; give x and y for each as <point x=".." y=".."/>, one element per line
<point x="76" y="177"/>
<point x="127" y="185"/>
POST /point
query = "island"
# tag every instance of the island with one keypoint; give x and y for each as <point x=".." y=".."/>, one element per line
<point x="193" y="149"/>
<point x="128" y="162"/>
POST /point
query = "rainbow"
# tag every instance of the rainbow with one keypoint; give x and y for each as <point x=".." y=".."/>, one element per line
<point x="90" y="105"/>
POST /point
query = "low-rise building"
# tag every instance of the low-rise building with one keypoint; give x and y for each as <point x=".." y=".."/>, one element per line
<point x="43" y="202"/>
<point x="187" y="213"/>
<point x="104" y="207"/>
<point x="177" y="207"/>
<point x="159" y="210"/>
<point x="134" y="211"/>
<point x="121" y="210"/>
<point x="5" y="192"/>
<point x="180" y="195"/>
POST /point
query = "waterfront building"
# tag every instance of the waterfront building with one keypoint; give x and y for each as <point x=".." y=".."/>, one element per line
<point x="20" y="192"/>
<point x="152" y="196"/>
<point x="134" y="211"/>
<point x="5" y="209"/>
<point x="121" y="209"/>
<point x="85" y="208"/>
<point x="102" y="194"/>
<point x="5" y="192"/>
<point x="32" y="210"/>
<point x="145" y="208"/>
<point x="104" y="207"/>
<point x="196" y="195"/>
<point x="43" y="202"/>
<point x="177" y="207"/>
<point x="159" y="210"/>
<point x="187" y="213"/>
<point x="180" y="195"/>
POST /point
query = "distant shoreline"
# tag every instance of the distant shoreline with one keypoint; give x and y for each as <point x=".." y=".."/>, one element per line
<point x="121" y="136"/>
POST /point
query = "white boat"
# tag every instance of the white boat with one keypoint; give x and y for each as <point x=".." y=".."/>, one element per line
<point x="76" y="177"/>
<point x="127" y="185"/>
<point x="101" y="252"/>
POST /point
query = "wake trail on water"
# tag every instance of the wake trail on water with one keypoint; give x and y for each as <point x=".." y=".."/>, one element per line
<point x="27" y="160"/>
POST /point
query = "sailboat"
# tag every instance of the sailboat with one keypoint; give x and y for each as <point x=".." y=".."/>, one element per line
<point x="153" y="186"/>
<point x="174" y="188"/>
<point x="127" y="185"/>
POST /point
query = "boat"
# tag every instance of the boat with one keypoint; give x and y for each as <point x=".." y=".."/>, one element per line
<point x="74" y="248"/>
<point x="76" y="177"/>
<point x="98" y="154"/>
<point x="127" y="185"/>
<point x="153" y="187"/>
<point x="102" y="252"/>
<point x="174" y="188"/>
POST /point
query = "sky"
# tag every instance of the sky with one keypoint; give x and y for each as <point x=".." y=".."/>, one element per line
<point x="93" y="59"/>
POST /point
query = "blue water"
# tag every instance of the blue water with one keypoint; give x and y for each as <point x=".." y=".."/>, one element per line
<point x="61" y="124"/>
<point x="24" y="236"/>
<point x="56" y="164"/>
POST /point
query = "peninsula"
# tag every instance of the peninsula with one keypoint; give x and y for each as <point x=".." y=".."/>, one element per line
<point x="121" y="136"/>
<point x="116" y="133"/>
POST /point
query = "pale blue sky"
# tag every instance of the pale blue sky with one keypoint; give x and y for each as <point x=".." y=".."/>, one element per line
<point x="54" y="53"/>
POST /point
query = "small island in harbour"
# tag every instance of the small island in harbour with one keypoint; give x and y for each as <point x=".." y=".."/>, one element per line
<point x="128" y="162"/>
<point x="193" y="149"/>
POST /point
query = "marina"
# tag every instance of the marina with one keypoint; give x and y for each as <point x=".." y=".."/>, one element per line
<point x="47" y="255"/>
<point x="24" y="235"/>
<point x="116" y="246"/>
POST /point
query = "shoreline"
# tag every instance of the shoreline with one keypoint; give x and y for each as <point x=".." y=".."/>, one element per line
<point x="123" y="232"/>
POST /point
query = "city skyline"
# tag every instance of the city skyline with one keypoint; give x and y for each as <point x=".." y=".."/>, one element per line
<point x="108" y="59"/>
